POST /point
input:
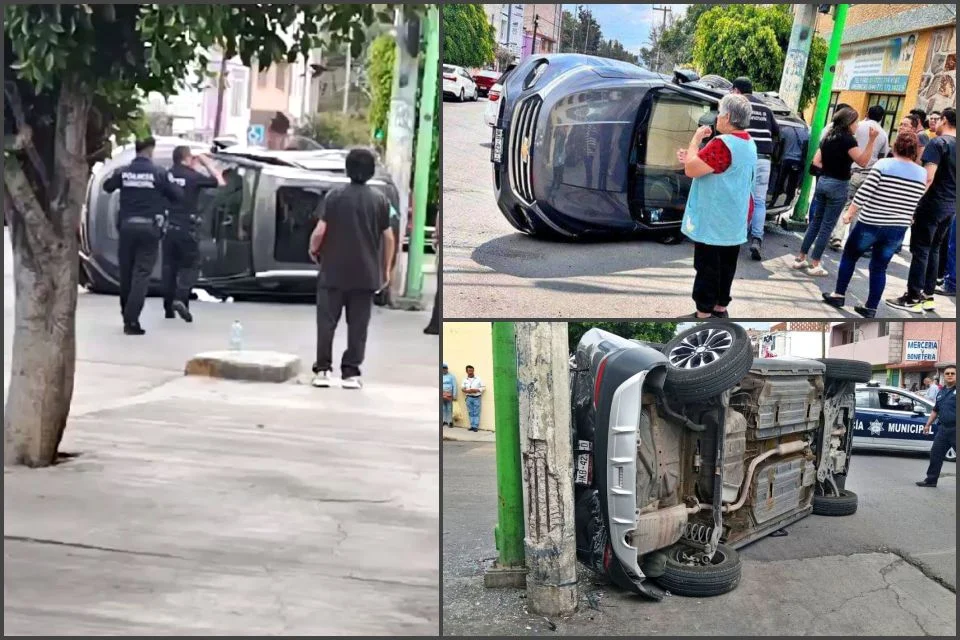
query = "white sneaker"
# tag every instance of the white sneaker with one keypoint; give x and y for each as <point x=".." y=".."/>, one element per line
<point x="321" y="380"/>
<point x="352" y="383"/>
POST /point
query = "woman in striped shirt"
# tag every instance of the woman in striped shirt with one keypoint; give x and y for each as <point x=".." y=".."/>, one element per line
<point x="885" y="204"/>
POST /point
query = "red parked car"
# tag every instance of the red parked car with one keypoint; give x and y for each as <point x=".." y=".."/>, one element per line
<point x="485" y="79"/>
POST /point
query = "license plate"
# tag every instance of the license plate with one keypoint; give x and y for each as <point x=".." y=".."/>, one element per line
<point x="497" y="155"/>
<point x="584" y="467"/>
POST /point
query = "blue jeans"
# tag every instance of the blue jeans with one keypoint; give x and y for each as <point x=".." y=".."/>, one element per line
<point x="950" y="279"/>
<point x="473" y="411"/>
<point x="447" y="412"/>
<point x="884" y="242"/>
<point x="828" y="201"/>
<point x="761" y="183"/>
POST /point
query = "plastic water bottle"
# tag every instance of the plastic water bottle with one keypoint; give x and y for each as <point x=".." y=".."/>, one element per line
<point x="236" y="336"/>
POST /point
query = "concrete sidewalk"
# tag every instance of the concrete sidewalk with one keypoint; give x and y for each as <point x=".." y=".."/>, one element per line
<point x="462" y="434"/>
<point x="201" y="506"/>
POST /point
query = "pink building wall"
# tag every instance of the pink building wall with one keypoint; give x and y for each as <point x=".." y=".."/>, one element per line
<point x="944" y="332"/>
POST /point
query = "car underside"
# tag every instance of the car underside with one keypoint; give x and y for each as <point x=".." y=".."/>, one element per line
<point x="686" y="454"/>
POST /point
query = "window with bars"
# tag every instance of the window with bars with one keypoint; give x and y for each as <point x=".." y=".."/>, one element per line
<point x="834" y="99"/>
<point x="891" y="104"/>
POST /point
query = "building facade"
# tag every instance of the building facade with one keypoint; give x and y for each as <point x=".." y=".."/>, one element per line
<point x="471" y="343"/>
<point x="900" y="56"/>
<point x="509" y="28"/>
<point x="795" y="339"/>
<point x="549" y="20"/>
<point x="902" y="353"/>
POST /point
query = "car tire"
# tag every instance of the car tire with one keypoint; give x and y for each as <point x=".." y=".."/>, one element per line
<point x="689" y="378"/>
<point x="844" y="504"/>
<point x="847" y="370"/>
<point x="701" y="581"/>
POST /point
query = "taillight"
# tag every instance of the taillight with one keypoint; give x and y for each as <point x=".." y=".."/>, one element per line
<point x="446" y="77"/>
<point x="599" y="379"/>
<point x="493" y="96"/>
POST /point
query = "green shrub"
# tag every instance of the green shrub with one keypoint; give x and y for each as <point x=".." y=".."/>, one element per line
<point x="383" y="55"/>
<point x="336" y="130"/>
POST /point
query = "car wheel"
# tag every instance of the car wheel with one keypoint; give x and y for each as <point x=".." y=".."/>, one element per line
<point x="707" y="359"/>
<point x="685" y="578"/>
<point x="844" y="504"/>
<point x="849" y="370"/>
<point x="951" y="455"/>
<point x="463" y="96"/>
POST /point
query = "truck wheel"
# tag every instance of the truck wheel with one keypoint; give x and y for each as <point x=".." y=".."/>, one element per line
<point x="695" y="580"/>
<point x="844" y="504"/>
<point x="849" y="370"/>
<point x="707" y="359"/>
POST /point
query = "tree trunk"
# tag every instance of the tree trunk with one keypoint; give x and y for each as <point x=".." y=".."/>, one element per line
<point x="46" y="268"/>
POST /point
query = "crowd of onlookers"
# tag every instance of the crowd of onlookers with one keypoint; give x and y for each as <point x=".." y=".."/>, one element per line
<point x="870" y="191"/>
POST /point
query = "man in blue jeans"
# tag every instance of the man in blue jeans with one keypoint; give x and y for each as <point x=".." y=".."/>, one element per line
<point x="949" y="287"/>
<point x="473" y="388"/>
<point x="945" y="414"/>
<point x="763" y="130"/>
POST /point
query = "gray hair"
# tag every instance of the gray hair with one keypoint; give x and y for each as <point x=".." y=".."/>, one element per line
<point x="738" y="108"/>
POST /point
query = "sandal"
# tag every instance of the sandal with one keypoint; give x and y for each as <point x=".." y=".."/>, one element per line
<point x="799" y="264"/>
<point x="817" y="272"/>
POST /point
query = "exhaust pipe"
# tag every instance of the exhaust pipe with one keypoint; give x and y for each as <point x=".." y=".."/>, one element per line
<point x="784" y="449"/>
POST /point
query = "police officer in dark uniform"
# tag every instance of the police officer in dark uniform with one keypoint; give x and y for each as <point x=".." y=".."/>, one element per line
<point x="181" y="253"/>
<point x="945" y="413"/>
<point x="146" y="192"/>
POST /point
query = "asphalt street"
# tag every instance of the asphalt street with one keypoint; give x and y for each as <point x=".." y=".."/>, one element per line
<point x="197" y="506"/>
<point x="493" y="271"/>
<point x="890" y="569"/>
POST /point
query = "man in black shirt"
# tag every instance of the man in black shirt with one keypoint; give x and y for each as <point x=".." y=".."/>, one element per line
<point x="764" y="131"/>
<point x="933" y="217"/>
<point x="181" y="254"/>
<point x="353" y="225"/>
<point x="146" y="192"/>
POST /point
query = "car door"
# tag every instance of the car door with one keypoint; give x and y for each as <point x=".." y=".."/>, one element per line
<point x="898" y="419"/>
<point x="227" y="226"/>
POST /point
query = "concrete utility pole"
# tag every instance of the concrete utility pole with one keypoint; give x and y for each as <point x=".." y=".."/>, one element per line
<point x="508" y="571"/>
<point x="543" y="386"/>
<point x="399" y="152"/>
<point x="820" y="112"/>
<point x="346" y="83"/>
<point x="664" y="11"/>
<point x="798" y="52"/>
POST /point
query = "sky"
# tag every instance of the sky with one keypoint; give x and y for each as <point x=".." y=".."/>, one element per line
<point x="628" y="23"/>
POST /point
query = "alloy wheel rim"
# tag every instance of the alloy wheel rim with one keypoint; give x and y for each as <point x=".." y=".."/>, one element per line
<point x="701" y="348"/>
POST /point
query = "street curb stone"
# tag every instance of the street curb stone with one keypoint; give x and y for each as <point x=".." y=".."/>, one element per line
<point x="253" y="366"/>
<point x="459" y="434"/>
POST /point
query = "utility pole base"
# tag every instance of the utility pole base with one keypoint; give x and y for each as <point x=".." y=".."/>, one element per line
<point x="408" y="304"/>
<point x="498" y="577"/>
<point x="789" y="224"/>
<point x="549" y="600"/>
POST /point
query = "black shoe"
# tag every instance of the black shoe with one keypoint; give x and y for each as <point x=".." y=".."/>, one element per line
<point x="906" y="303"/>
<point x="431" y="330"/>
<point x="182" y="311"/>
<point x="866" y="312"/>
<point x="940" y="291"/>
<point x="926" y="483"/>
<point x="755" y="248"/>
<point x="133" y="329"/>
<point x="169" y="314"/>
<point x="834" y="301"/>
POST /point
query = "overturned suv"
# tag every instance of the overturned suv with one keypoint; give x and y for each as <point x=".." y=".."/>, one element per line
<point x="688" y="451"/>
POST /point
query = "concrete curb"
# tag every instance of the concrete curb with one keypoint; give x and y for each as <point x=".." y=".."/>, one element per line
<point x="459" y="434"/>
<point x="253" y="366"/>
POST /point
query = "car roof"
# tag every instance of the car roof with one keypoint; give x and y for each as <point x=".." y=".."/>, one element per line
<point x="885" y="387"/>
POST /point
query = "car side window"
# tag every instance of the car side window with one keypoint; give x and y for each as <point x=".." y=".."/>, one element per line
<point x="866" y="399"/>
<point x="673" y="121"/>
<point x="227" y="211"/>
<point x="893" y="401"/>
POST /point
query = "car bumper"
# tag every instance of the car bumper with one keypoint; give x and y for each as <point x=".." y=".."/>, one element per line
<point x="450" y="88"/>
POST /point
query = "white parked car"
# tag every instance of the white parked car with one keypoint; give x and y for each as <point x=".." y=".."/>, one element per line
<point x="458" y="84"/>
<point x="492" y="110"/>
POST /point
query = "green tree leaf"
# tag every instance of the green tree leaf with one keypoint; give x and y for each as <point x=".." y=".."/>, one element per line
<point x="467" y="36"/>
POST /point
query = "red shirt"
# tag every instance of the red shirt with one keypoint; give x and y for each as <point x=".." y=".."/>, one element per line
<point x="717" y="156"/>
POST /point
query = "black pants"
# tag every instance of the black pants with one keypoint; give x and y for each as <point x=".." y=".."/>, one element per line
<point x="942" y="442"/>
<point x="330" y="305"/>
<point x="435" y="318"/>
<point x="944" y="255"/>
<point x="930" y="227"/>
<point x="715" y="267"/>
<point x="139" y="247"/>
<point x="181" y="266"/>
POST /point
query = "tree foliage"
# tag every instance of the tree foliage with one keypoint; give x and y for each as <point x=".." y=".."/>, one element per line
<point x="752" y="40"/>
<point x="673" y="44"/>
<point x="614" y="49"/>
<point x="468" y="39"/>
<point x="383" y="56"/>
<point x="657" y="332"/>
<point x="580" y="33"/>
<point x="336" y="130"/>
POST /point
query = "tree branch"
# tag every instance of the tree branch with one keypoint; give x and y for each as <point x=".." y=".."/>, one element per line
<point x="24" y="140"/>
<point x="24" y="207"/>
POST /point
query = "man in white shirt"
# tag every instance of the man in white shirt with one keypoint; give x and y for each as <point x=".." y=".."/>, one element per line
<point x="859" y="174"/>
<point x="472" y="390"/>
<point x="932" y="389"/>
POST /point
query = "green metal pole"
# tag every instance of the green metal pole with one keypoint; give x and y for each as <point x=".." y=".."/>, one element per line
<point x="510" y="530"/>
<point x="820" y="112"/>
<point x="422" y="168"/>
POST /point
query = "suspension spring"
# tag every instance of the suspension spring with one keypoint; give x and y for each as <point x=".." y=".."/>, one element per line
<point x="697" y="532"/>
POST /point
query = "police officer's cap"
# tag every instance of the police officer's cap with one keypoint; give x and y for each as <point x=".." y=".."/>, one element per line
<point x="145" y="143"/>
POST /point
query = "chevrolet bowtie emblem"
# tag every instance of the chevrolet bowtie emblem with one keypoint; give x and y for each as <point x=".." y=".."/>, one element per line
<point x="525" y="151"/>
